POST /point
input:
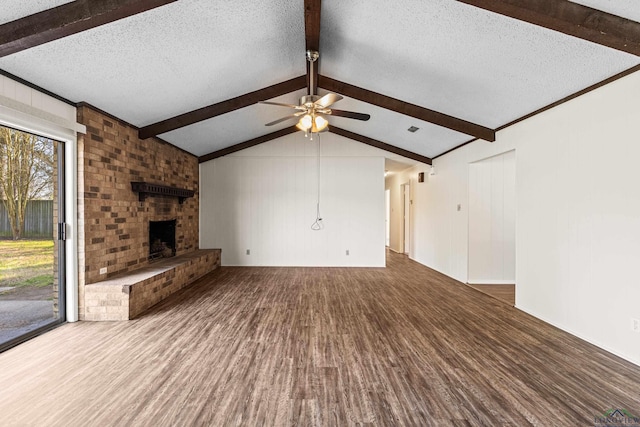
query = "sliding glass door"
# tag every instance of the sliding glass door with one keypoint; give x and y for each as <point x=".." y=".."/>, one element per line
<point x="32" y="298"/>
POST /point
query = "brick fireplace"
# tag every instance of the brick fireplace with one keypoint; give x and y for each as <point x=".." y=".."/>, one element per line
<point x="113" y="222"/>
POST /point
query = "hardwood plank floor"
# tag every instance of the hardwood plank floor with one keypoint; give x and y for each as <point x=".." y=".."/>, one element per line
<point x="316" y="346"/>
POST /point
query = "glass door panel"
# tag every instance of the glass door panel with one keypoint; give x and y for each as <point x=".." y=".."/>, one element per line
<point x="31" y="254"/>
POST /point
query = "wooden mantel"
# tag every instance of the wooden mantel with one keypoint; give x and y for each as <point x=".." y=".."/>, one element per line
<point x="145" y="189"/>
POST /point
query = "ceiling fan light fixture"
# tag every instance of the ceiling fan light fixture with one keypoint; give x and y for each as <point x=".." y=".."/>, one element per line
<point x="313" y="106"/>
<point x="320" y="123"/>
<point x="312" y="123"/>
<point x="305" y="123"/>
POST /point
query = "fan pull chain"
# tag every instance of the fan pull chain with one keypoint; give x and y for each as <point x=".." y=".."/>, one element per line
<point x="318" y="225"/>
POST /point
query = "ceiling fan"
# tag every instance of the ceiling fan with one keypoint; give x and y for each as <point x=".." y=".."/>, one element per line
<point x="312" y="108"/>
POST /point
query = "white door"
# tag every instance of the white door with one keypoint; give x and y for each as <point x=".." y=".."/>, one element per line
<point x="407" y="220"/>
<point x="492" y="234"/>
<point x="387" y="218"/>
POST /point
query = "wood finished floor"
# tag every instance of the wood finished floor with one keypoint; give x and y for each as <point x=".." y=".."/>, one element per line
<point x="316" y="346"/>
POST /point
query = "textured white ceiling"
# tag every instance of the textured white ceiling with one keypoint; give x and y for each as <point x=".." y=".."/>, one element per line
<point x="14" y="9"/>
<point x="629" y="9"/>
<point x="458" y="59"/>
<point x="441" y="54"/>
<point x="391" y="128"/>
<point x="234" y="127"/>
<point x="172" y="59"/>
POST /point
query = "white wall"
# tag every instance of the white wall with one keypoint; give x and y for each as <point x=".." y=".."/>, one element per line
<point x="264" y="199"/>
<point x="30" y="110"/>
<point x="492" y="220"/>
<point x="27" y="109"/>
<point x="577" y="210"/>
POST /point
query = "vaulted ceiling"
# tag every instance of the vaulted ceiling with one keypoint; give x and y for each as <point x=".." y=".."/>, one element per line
<point x="192" y="71"/>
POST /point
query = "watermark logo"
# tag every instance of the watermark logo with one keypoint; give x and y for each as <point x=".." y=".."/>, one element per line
<point x="617" y="417"/>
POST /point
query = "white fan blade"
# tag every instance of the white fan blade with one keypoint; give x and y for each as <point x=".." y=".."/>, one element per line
<point x="279" y="104"/>
<point x="328" y="99"/>
<point x="293" y="116"/>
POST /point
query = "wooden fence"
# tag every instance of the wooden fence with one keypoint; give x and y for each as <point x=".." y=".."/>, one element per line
<point x="38" y="220"/>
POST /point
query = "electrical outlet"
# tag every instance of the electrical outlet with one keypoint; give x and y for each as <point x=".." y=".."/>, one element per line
<point x="248" y="251"/>
<point x="103" y="270"/>
<point x="347" y="251"/>
<point x="635" y="325"/>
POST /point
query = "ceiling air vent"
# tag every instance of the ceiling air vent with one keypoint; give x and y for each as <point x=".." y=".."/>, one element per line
<point x="412" y="129"/>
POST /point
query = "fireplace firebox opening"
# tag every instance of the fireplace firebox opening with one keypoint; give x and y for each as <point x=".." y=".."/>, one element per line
<point x="162" y="239"/>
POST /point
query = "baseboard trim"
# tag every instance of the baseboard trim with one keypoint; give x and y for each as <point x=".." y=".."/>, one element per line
<point x="491" y="282"/>
<point x="626" y="357"/>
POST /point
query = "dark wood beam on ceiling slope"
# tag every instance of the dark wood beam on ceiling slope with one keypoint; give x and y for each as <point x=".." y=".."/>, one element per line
<point x="292" y="129"/>
<point x="379" y="144"/>
<point x="407" y="109"/>
<point x="222" y="107"/>
<point x="570" y="18"/>
<point x="247" y="144"/>
<point x="312" y="39"/>
<point x="67" y="19"/>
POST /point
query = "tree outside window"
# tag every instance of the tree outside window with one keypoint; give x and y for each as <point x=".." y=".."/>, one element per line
<point x="26" y="171"/>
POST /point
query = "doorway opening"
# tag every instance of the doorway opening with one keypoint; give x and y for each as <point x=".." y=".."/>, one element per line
<point x="32" y="234"/>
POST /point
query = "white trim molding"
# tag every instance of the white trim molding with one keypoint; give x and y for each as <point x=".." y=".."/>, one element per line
<point x="29" y="110"/>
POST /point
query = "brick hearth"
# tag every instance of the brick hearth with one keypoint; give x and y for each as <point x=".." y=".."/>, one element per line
<point x="113" y="223"/>
<point x="126" y="296"/>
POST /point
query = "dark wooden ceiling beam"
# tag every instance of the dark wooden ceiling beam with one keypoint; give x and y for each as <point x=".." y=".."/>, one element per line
<point x="570" y="18"/>
<point x="333" y="129"/>
<point x="379" y="144"/>
<point x="222" y="107"/>
<point x="67" y="19"/>
<point x="405" y="108"/>
<point x="312" y="24"/>
<point x="312" y="39"/>
<point x="247" y="144"/>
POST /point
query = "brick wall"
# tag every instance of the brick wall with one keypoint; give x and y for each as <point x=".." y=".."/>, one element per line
<point x="113" y="224"/>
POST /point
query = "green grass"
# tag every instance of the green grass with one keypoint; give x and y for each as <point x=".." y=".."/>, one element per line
<point x="26" y="263"/>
